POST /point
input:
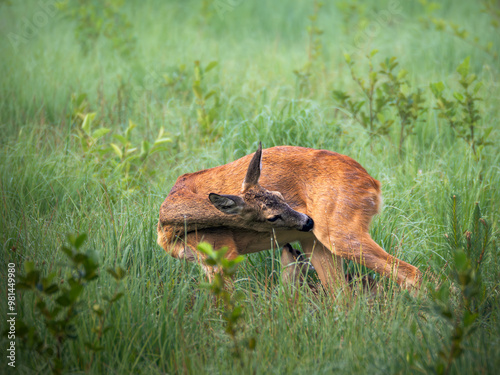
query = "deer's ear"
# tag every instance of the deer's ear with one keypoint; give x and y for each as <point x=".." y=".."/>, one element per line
<point x="253" y="172"/>
<point x="229" y="204"/>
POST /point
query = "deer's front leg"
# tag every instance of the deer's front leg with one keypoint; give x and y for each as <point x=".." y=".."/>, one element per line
<point x="327" y="265"/>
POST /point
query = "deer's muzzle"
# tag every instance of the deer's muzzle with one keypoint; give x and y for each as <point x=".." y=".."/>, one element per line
<point x="308" y="226"/>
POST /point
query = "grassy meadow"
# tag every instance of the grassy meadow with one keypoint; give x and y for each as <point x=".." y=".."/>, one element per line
<point x="103" y="104"/>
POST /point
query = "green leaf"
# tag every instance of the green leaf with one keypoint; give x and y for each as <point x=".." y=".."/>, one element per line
<point x="117" y="150"/>
<point x="463" y="68"/>
<point x="80" y="258"/>
<point x="211" y="262"/>
<point x="218" y="281"/>
<point x="236" y="313"/>
<point x="104" y="150"/>
<point x="162" y="140"/>
<point x="67" y="251"/>
<point x="469" y="318"/>
<point x="51" y="276"/>
<point x="437" y="88"/>
<point x="461" y="261"/>
<point x="131" y="126"/>
<point x="219" y="254"/>
<point x="458" y="96"/>
<point x="252" y="343"/>
<point x="21" y="328"/>
<point x="80" y="240"/>
<point x="477" y="87"/>
<point x="117" y="297"/>
<point x="32" y="278"/>
<point x="120" y="138"/>
<point x="205" y="285"/>
<point x="160" y="133"/>
<point x="113" y="273"/>
<point x="443" y="294"/>
<point x="340" y="96"/>
<point x="487" y="132"/>
<point x="78" y="100"/>
<point x="83" y="142"/>
<point x="51" y="289"/>
<point x="120" y="272"/>
<point x="238" y="259"/>
<point x="87" y="122"/>
<point x="157" y="149"/>
<point x="380" y="118"/>
<point x="197" y="91"/>
<point x="145" y="147"/>
<point x="238" y="296"/>
<point x="211" y="93"/>
<point x="206" y="249"/>
<point x="71" y="238"/>
<point x="130" y="151"/>
<point x="100" y="133"/>
<point x="98" y="309"/>
<point x="210" y="66"/>
<point x="29" y="267"/>
<point x="197" y="70"/>
<point x="63" y="300"/>
<point x="75" y="291"/>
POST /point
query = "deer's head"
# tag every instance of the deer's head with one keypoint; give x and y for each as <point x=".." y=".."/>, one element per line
<point x="257" y="205"/>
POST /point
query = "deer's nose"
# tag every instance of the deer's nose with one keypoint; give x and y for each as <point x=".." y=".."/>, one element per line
<point x="308" y="226"/>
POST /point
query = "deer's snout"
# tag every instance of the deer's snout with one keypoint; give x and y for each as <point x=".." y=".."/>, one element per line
<point x="308" y="226"/>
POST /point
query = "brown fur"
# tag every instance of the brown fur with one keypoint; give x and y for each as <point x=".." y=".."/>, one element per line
<point x="333" y="189"/>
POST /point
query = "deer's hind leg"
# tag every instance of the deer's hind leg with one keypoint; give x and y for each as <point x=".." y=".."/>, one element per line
<point x="362" y="249"/>
<point x="380" y="261"/>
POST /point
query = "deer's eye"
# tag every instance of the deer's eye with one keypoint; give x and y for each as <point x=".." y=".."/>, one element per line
<point x="274" y="218"/>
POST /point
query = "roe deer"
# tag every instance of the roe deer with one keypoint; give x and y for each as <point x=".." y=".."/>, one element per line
<point x="332" y="189"/>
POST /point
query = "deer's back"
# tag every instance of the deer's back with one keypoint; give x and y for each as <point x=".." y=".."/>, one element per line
<point x="320" y="183"/>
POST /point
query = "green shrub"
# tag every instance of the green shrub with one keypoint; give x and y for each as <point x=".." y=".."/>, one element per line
<point x="58" y="304"/>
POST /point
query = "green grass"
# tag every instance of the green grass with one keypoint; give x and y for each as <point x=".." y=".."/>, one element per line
<point x="166" y="323"/>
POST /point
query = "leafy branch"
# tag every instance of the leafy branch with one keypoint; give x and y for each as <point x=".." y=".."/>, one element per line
<point x="468" y="251"/>
<point x="58" y="304"/>
<point x="314" y="49"/>
<point x="440" y="24"/>
<point x="123" y="160"/>
<point x="206" y="114"/>
<point x="232" y="311"/>
<point x="461" y="112"/>
<point x="383" y="89"/>
<point x="94" y="20"/>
